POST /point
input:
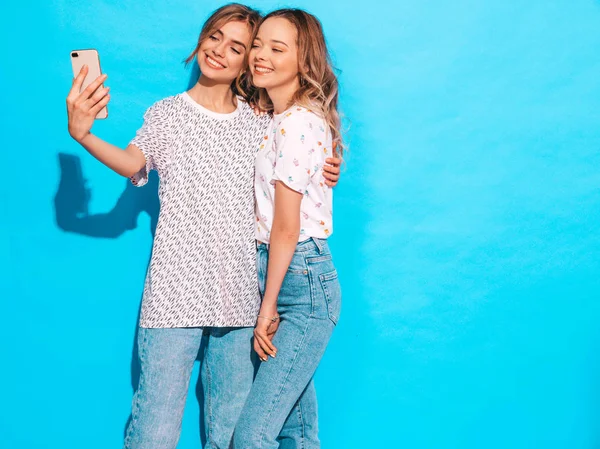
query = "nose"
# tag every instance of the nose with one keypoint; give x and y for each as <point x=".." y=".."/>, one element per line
<point x="219" y="50"/>
<point x="259" y="54"/>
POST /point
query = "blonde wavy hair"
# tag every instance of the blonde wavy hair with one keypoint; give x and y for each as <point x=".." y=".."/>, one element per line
<point x="318" y="83"/>
<point x="232" y="12"/>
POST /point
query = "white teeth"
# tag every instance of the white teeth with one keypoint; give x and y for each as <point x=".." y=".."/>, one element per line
<point x="214" y="63"/>
<point x="263" y="70"/>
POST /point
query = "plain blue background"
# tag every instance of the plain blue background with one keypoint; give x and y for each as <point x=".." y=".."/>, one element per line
<point x="467" y="222"/>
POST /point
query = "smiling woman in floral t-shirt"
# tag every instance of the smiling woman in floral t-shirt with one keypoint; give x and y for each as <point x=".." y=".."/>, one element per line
<point x="301" y="294"/>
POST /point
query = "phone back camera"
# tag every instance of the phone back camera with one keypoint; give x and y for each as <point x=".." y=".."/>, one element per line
<point x="75" y="54"/>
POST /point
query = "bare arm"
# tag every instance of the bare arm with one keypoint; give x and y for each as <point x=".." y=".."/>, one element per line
<point x="284" y="238"/>
<point x="81" y="110"/>
<point x="126" y="163"/>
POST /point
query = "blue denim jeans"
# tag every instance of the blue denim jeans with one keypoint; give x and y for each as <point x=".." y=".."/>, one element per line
<point x="281" y="409"/>
<point x="167" y="357"/>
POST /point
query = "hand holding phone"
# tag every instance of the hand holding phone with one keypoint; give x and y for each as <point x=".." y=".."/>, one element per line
<point x="86" y="103"/>
<point x="91" y="59"/>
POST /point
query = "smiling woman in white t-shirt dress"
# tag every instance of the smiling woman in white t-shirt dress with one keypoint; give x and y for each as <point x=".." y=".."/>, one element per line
<point x="201" y="284"/>
<point x="300" y="290"/>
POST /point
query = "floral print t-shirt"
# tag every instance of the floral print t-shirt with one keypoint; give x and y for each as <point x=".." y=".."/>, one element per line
<point x="293" y="151"/>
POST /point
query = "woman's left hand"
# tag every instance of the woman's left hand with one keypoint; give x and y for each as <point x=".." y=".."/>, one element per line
<point x="264" y="332"/>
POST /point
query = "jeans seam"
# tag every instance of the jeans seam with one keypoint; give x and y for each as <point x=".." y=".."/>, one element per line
<point x="328" y="301"/>
<point x="208" y="398"/>
<point x="283" y="383"/>
<point x="300" y="416"/>
<point x="136" y="397"/>
<point x="311" y="283"/>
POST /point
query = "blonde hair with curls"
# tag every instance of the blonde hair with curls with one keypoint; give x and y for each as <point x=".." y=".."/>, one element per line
<point x="233" y="12"/>
<point x="318" y="90"/>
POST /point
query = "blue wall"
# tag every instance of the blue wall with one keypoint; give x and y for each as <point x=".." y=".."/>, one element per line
<point x="467" y="234"/>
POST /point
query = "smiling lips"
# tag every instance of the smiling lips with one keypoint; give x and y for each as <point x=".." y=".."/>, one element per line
<point x="262" y="70"/>
<point x="213" y="63"/>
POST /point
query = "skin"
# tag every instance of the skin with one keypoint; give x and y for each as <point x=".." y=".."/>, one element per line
<point x="221" y="58"/>
<point x="275" y="67"/>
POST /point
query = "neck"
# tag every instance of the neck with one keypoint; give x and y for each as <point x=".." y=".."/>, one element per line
<point x="281" y="96"/>
<point x="213" y="95"/>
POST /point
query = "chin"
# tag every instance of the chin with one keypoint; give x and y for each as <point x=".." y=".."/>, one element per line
<point x="215" y="75"/>
<point x="220" y="76"/>
<point x="259" y="82"/>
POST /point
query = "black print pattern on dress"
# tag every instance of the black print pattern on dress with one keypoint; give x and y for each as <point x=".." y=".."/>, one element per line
<point x="203" y="270"/>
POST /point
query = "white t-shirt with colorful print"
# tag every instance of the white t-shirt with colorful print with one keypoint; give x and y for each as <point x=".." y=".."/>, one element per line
<point x="293" y="151"/>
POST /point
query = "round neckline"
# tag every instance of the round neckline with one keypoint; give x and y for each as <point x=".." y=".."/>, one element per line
<point x="280" y="115"/>
<point x="217" y="115"/>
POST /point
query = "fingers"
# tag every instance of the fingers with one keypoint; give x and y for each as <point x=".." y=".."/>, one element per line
<point x="77" y="82"/>
<point x="98" y="95"/>
<point x="87" y="93"/>
<point x="264" y="342"/>
<point x="261" y="348"/>
<point x="101" y="104"/>
<point x="261" y="354"/>
<point x="335" y="161"/>
<point x="333" y="169"/>
<point x="331" y="177"/>
<point x="259" y="112"/>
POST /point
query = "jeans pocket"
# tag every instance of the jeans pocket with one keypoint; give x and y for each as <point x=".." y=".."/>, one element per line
<point x="298" y="265"/>
<point x="333" y="294"/>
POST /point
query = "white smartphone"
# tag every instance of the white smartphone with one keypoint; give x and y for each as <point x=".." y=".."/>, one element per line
<point x="90" y="57"/>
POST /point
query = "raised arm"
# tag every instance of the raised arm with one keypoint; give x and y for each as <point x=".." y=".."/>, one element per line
<point x="81" y="110"/>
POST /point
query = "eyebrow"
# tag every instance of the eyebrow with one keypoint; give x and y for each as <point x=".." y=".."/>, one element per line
<point x="272" y="40"/>
<point x="280" y="42"/>
<point x="239" y="43"/>
<point x="232" y="40"/>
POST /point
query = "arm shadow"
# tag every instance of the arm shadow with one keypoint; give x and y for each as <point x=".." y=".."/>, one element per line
<point x="72" y="199"/>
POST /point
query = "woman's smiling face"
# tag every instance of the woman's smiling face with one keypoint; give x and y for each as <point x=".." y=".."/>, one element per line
<point x="222" y="56"/>
<point x="274" y="54"/>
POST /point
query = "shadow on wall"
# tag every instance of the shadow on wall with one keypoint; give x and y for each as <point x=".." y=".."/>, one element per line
<point x="72" y="200"/>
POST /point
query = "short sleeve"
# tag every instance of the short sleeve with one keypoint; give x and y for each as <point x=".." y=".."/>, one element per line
<point x="153" y="140"/>
<point x="296" y="143"/>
